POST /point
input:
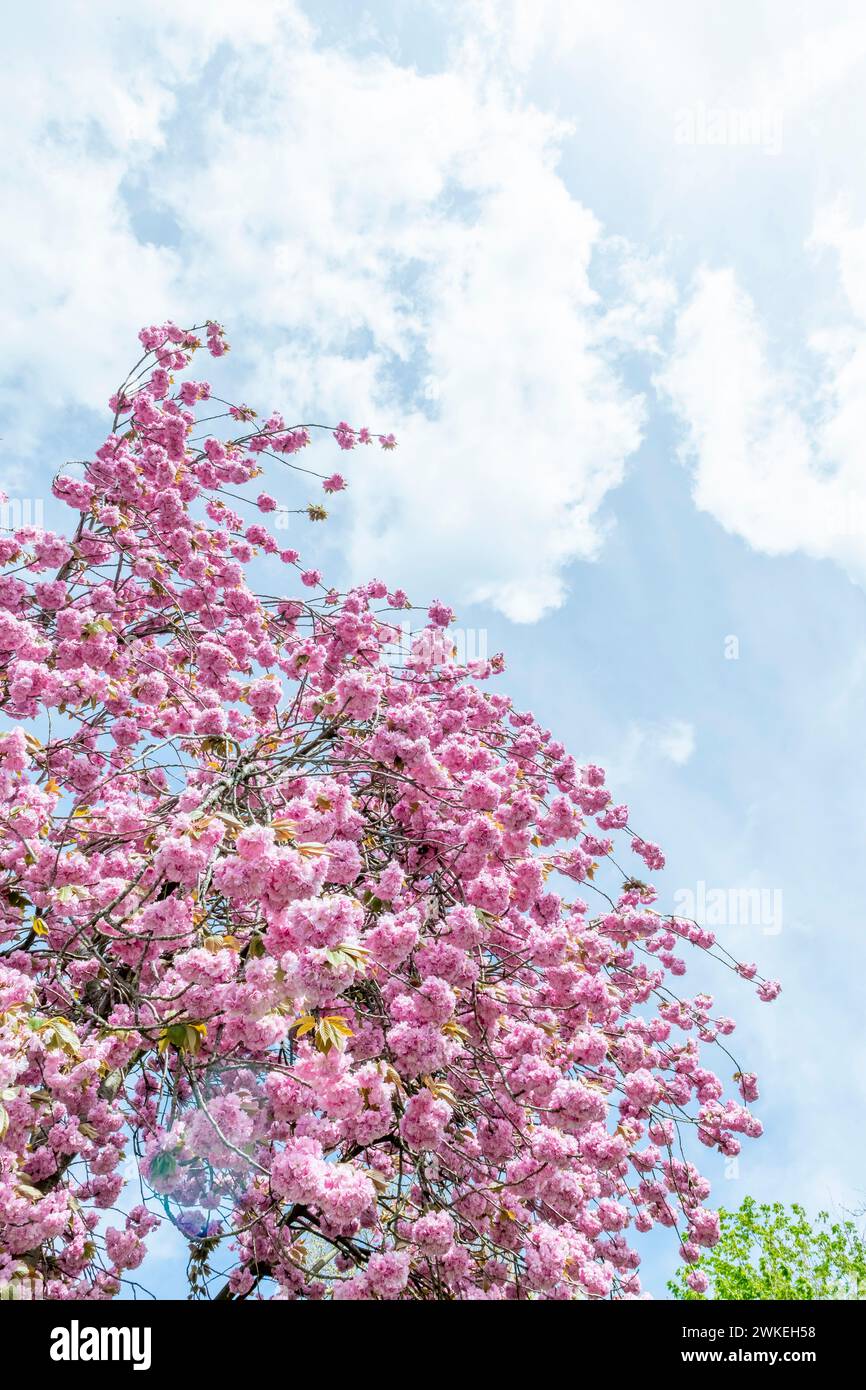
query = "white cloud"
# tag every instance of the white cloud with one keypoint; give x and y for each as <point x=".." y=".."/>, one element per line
<point x="423" y="216"/>
<point x="646" y="744"/>
<point x="85" y="102"/>
<point x="777" y="465"/>
<point x="403" y="249"/>
<point x="674" y="740"/>
<point x="773" y="423"/>
<point x="401" y="245"/>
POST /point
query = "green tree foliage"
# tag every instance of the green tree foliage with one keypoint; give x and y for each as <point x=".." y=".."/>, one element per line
<point x="772" y="1252"/>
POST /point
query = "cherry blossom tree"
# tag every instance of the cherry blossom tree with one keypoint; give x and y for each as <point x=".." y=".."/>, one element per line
<point x="291" y="952"/>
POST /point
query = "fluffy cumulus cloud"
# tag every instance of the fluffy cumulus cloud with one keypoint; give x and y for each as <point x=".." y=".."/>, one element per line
<point x="765" y="370"/>
<point x="430" y="266"/>
<point x="402" y="244"/>
<point x="414" y="247"/>
<point x="777" y="465"/>
<point x="88" y="94"/>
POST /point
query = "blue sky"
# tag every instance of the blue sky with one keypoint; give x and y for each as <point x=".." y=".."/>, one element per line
<point x="603" y="271"/>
